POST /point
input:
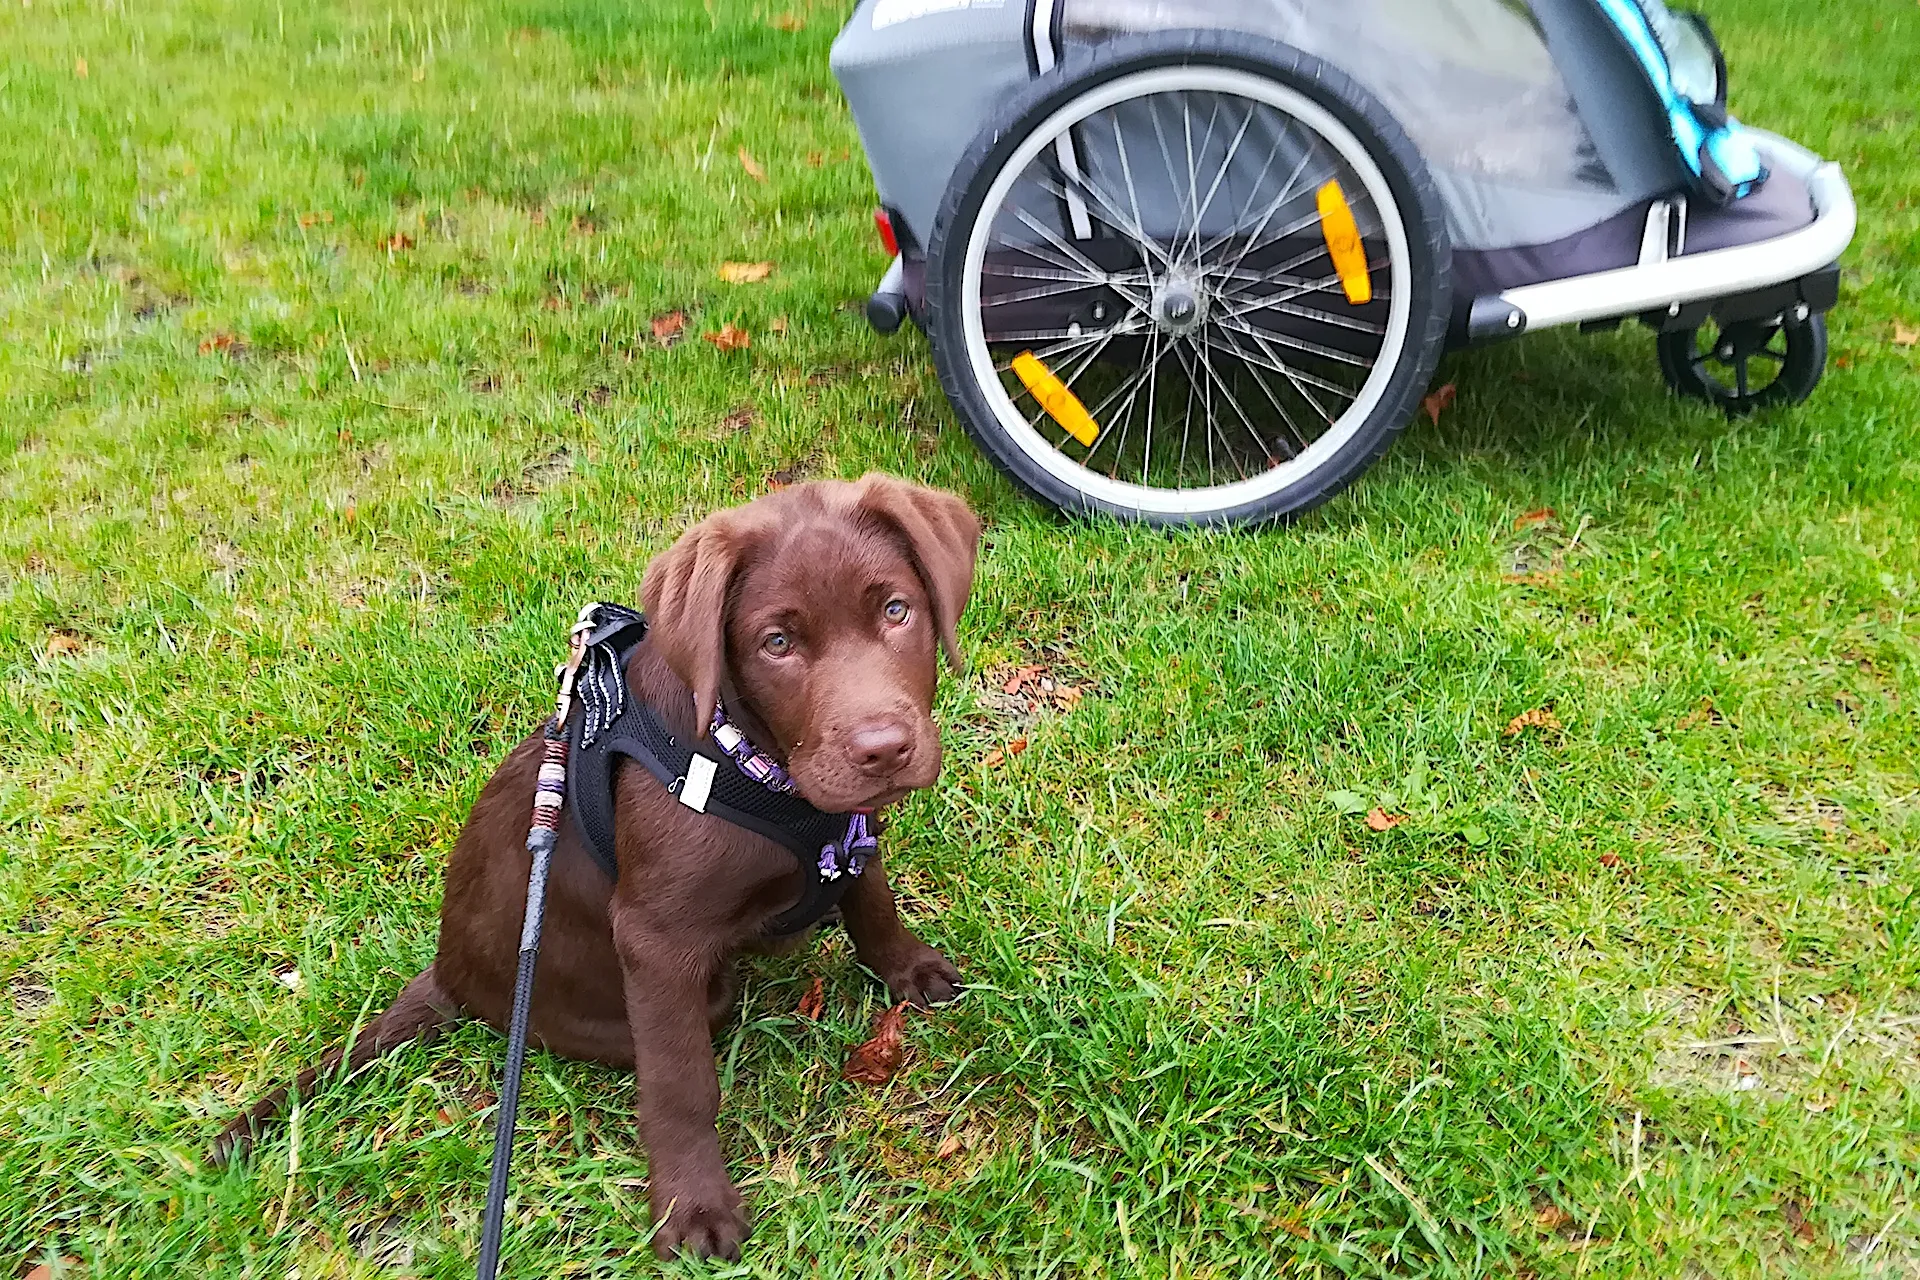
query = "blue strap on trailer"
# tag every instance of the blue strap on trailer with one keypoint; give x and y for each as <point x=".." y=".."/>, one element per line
<point x="1681" y="60"/>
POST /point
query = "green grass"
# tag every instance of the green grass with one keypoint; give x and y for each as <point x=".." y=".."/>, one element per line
<point x="272" y="610"/>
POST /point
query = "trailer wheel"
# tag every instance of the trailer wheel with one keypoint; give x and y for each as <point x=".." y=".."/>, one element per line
<point x="1192" y="278"/>
<point x="1747" y="365"/>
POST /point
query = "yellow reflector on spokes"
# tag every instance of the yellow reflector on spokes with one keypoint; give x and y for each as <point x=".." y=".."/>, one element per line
<point x="1061" y="405"/>
<point x="1343" y="244"/>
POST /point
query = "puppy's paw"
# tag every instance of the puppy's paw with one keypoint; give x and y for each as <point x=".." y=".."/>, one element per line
<point x="702" y="1225"/>
<point x="922" y="978"/>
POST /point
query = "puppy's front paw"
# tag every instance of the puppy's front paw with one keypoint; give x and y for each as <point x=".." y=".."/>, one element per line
<point x="703" y="1224"/>
<point x="922" y="978"/>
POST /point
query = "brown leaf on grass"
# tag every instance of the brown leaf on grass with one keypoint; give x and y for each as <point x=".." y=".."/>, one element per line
<point x="397" y="241"/>
<point x="1538" y="718"/>
<point x="993" y="758"/>
<point x="1537" y="516"/>
<point x="1039" y="684"/>
<point x="740" y="419"/>
<point x="950" y="1146"/>
<point x="1796" y="1216"/>
<point x="1022" y="677"/>
<point x="815" y="159"/>
<point x="64" y="642"/>
<point x="877" y="1061"/>
<point x="1705" y="713"/>
<point x="779" y="324"/>
<point x="1015" y="747"/>
<point x="729" y="337"/>
<point x="317" y="216"/>
<point x="752" y="166"/>
<point x="1379" y="819"/>
<point x="789" y="22"/>
<point x="667" y="326"/>
<point x="1551" y="1217"/>
<point x="745" y="272"/>
<point x="70" y="1267"/>
<point x="814" y="1003"/>
<point x="80" y="68"/>
<point x="582" y="226"/>
<point x="1903" y="336"/>
<point x="1439" y="402"/>
<point x="1609" y="859"/>
<point x="222" y="343"/>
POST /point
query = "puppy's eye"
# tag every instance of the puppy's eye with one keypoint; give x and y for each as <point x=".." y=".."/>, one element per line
<point x="896" y="611"/>
<point x="777" y="645"/>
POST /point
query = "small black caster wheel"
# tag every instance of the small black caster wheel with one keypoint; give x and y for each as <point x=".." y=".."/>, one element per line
<point x="1748" y="364"/>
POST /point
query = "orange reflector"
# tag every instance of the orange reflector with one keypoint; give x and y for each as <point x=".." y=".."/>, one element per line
<point x="883" y="223"/>
<point x="1061" y="404"/>
<point x="1343" y="243"/>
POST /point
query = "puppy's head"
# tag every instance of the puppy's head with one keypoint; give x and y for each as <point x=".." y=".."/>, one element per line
<point x="824" y="609"/>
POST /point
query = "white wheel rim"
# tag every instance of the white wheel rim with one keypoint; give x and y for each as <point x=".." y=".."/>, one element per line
<point x="1147" y="499"/>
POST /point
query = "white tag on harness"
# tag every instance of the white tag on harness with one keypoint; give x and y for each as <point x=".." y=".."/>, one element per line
<point x="699" y="784"/>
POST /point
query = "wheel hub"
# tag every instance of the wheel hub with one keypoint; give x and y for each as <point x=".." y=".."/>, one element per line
<point x="1179" y="306"/>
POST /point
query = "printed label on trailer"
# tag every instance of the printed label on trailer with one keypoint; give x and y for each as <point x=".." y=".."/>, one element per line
<point x="890" y="13"/>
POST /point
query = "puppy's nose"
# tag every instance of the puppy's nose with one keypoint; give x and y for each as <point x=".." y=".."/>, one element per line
<point x="880" y="747"/>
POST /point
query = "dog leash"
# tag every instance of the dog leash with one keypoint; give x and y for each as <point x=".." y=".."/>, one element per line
<point x="541" y="837"/>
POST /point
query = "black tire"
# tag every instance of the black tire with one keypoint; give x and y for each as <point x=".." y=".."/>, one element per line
<point x="1415" y="201"/>
<point x="1719" y="366"/>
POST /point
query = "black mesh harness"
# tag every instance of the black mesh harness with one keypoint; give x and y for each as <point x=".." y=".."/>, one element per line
<point x="832" y="847"/>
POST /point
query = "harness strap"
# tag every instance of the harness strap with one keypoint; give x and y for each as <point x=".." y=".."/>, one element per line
<point x="832" y="848"/>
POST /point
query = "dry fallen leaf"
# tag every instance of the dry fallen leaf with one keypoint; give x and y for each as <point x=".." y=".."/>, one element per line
<point x="667" y="327"/>
<point x="789" y="22"/>
<point x="1015" y="747"/>
<point x="222" y="342"/>
<point x="993" y="758"/>
<point x="1609" y="859"/>
<point x="1551" y="1217"/>
<point x="950" y="1146"/>
<point x="1902" y="336"/>
<point x="1539" y="515"/>
<point x="318" y="215"/>
<point x="1796" y="1216"/>
<point x="779" y="324"/>
<point x="1022" y="677"/>
<point x="1439" y="402"/>
<point x="80" y="68"/>
<point x="745" y="272"/>
<point x="1538" y="718"/>
<point x="876" y="1061"/>
<point x="740" y="419"/>
<point x="814" y="1003"/>
<point x="397" y="241"/>
<point x="1379" y="819"/>
<point x="63" y="642"/>
<point x="815" y="159"/>
<point x="752" y="166"/>
<point x="1705" y="713"/>
<point x="730" y="337"/>
<point x="69" y="1267"/>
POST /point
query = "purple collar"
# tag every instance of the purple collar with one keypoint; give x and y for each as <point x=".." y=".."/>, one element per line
<point x="848" y="856"/>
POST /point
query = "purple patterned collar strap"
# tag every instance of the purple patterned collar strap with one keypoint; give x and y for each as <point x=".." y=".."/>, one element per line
<point x="753" y="762"/>
<point x="849" y="856"/>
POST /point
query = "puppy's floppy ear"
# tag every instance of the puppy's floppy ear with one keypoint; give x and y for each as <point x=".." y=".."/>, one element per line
<point x="684" y="593"/>
<point x="943" y="535"/>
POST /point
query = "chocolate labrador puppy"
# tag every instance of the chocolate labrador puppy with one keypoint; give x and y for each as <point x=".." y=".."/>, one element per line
<point x="816" y="616"/>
